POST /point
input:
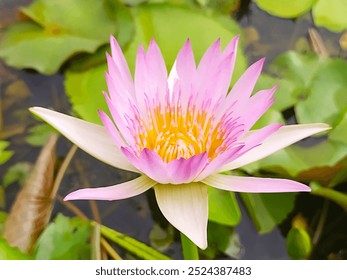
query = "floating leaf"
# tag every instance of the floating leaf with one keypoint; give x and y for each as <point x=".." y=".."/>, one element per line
<point x="285" y="8"/>
<point x="223" y="207"/>
<point x="17" y="173"/>
<point x="61" y="28"/>
<point x="327" y="96"/>
<point x="222" y="239"/>
<point x="268" y="210"/>
<point x="65" y="239"/>
<point x="32" y="208"/>
<point x="84" y="88"/>
<point x="316" y="162"/>
<point x="298" y="243"/>
<point x="330" y="14"/>
<point x="4" y="154"/>
<point x="133" y="246"/>
<point x="340" y="131"/>
<point x="8" y="252"/>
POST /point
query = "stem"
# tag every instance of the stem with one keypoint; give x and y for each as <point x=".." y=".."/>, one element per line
<point x="190" y="250"/>
<point x="336" y="196"/>
<point x="321" y="223"/>
<point x="114" y="255"/>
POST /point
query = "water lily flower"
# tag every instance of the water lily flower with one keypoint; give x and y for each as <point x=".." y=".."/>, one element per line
<point x="180" y="131"/>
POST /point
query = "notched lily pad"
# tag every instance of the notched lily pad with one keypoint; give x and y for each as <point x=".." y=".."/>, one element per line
<point x="59" y="29"/>
<point x="286" y="8"/>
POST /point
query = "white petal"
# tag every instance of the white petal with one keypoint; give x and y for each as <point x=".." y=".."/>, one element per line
<point x="254" y="184"/>
<point x="116" y="192"/>
<point x="186" y="208"/>
<point x="90" y="137"/>
<point x="280" y="139"/>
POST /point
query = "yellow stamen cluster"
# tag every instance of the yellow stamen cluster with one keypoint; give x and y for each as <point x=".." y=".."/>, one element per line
<point x="175" y="134"/>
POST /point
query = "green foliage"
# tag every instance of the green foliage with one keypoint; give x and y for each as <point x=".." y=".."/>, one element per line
<point x="268" y="210"/>
<point x="3" y="217"/>
<point x="336" y="196"/>
<point x="133" y="246"/>
<point x="330" y="14"/>
<point x="222" y="239"/>
<point x="11" y="253"/>
<point x="64" y="239"/>
<point x="316" y="89"/>
<point x="5" y="155"/>
<point x="286" y="8"/>
<point x="39" y="134"/>
<point x="17" y="173"/>
<point x="84" y="88"/>
<point x="58" y="30"/>
<point x="223" y="207"/>
<point x="298" y="243"/>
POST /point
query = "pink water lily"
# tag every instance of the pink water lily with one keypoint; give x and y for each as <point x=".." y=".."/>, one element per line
<point x="179" y="131"/>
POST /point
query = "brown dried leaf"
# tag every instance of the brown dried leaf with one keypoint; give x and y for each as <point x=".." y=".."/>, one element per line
<point x="32" y="208"/>
<point x="317" y="43"/>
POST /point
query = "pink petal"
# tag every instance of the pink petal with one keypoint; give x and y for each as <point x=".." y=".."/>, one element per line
<point x="282" y="138"/>
<point x="219" y="161"/>
<point x="122" y="66"/>
<point x="184" y="170"/>
<point x="149" y="163"/>
<point x="117" y="192"/>
<point x="257" y="106"/>
<point x="118" y="86"/>
<point x="91" y="138"/>
<point x="120" y="119"/>
<point x="111" y="129"/>
<point x="150" y="77"/>
<point x="258" y="136"/>
<point x="254" y="184"/>
<point x="186" y="208"/>
<point x="243" y="89"/>
<point x="183" y="72"/>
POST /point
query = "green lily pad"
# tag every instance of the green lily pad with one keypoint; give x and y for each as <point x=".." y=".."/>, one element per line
<point x="285" y="94"/>
<point x="340" y="131"/>
<point x="327" y="96"/>
<point x="64" y="239"/>
<point x="60" y="29"/>
<point x="84" y="88"/>
<point x="11" y="253"/>
<point x="223" y="207"/>
<point x="296" y="161"/>
<point x="285" y="8"/>
<point x="330" y="14"/>
<point x="296" y="67"/>
<point x="268" y="210"/>
<point x="152" y="22"/>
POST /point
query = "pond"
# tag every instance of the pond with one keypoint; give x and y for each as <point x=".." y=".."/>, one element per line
<point x="264" y="220"/>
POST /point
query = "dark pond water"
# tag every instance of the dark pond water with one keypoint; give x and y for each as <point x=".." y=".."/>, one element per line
<point x="136" y="216"/>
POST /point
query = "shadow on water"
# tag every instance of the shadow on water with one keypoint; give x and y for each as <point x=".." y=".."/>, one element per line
<point x="136" y="216"/>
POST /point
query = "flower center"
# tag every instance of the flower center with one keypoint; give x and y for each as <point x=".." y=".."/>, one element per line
<point x="173" y="133"/>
